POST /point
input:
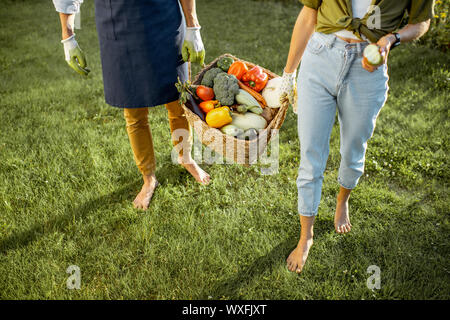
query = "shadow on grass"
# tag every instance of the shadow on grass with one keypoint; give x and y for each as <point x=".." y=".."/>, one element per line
<point x="173" y="173"/>
<point x="39" y="229"/>
<point x="230" y="288"/>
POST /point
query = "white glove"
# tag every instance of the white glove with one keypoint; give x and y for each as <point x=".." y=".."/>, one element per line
<point x="289" y="89"/>
<point x="74" y="56"/>
<point x="193" y="48"/>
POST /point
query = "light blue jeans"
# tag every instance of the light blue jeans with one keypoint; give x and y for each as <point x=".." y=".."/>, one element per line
<point x="331" y="77"/>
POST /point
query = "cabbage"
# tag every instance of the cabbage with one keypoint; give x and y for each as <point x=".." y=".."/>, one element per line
<point x="272" y="92"/>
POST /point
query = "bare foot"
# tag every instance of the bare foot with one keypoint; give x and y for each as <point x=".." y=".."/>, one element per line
<point x="341" y="217"/>
<point x="193" y="168"/>
<point x="298" y="256"/>
<point x="142" y="200"/>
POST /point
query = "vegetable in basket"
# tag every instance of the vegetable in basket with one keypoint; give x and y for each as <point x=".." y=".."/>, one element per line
<point x="248" y="120"/>
<point x="193" y="105"/>
<point x="225" y="63"/>
<point x="226" y="88"/>
<point x="254" y="94"/>
<point x="209" y="105"/>
<point x="238" y="69"/>
<point x="255" y="78"/>
<point x="187" y="94"/>
<point x="243" y="97"/>
<point x="249" y="134"/>
<point x="247" y="103"/>
<point x="208" y="77"/>
<point x="242" y="108"/>
<point x="219" y="117"/>
<point x="231" y="130"/>
<point x="205" y="93"/>
<point x="272" y="92"/>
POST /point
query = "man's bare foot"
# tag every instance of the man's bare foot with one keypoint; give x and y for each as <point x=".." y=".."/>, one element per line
<point x="193" y="168"/>
<point x="341" y="217"/>
<point x="142" y="200"/>
<point x="298" y="256"/>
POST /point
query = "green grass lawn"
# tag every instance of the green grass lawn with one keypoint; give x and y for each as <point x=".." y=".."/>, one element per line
<point x="67" y="179"/>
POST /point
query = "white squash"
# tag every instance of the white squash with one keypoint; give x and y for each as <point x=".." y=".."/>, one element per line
<point x="248" y="120"/>
<point x="272" y="92"/>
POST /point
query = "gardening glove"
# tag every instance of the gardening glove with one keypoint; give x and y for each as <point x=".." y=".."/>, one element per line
<point x="289" y="89"/>
<point x="193" y="49"/>
<point x="74" y="56"/>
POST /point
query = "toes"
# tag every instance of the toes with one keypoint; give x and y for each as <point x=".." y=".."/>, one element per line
<point x="292" y="267"/>
<point x="345" y="228"/>
<point x="206" y="180"/>
<point x="290" y="264"/>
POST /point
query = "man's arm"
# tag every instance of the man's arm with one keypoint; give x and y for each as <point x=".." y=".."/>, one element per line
<point x="408" y="33"/>
<point x="66" y="25"/>
<point x="190" y="13"/>
<point x="67" y="10"/>
<point x="303" y="29"/>
<point x="193" y="49"/>
<point x="73" y="54"/>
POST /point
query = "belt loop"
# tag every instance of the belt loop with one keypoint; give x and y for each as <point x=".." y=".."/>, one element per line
<point x="330" y="41"/>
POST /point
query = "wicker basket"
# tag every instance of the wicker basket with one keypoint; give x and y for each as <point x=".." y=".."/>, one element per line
<point x="236" y="150"/>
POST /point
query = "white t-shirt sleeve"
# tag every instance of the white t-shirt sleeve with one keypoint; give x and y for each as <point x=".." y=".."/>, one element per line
<point x="67" y="6"/>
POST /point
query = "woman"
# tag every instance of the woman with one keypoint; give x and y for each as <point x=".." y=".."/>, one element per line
<point x="329" y="38"/>
<point x="142" y="45"/>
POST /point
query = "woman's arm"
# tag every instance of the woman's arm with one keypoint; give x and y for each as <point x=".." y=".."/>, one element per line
<point x="66" y="25"/>
<point x="67" y="10"/>
<point x="74" y="56"/>
<point x="303" y="29"/>
<point x="408" y="33"/>
<point x="190" y="13"/>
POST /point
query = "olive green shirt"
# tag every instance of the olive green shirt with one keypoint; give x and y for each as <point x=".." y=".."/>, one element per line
<point x="335" y="15"/>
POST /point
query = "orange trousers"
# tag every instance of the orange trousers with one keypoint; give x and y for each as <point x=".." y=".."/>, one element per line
<point x="140" y="135"/>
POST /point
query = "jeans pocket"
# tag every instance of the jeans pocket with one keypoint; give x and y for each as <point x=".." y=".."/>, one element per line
<point x="314" y="45"/>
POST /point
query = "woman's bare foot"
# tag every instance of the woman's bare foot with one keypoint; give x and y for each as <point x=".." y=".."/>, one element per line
<point x="341" y="218"/>
<point x="142" y="200"/>
<point x="298" y="256"/>
<point x="193" y="168"/>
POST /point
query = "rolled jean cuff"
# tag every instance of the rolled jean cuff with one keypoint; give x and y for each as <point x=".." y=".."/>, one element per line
<point x="307" y="214"/>
<point x="347" y="186"/>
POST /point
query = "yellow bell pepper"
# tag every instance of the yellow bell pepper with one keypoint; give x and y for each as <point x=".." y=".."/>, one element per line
<point x="219" y="117"/>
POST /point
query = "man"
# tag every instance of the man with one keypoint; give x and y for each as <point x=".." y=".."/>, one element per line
<point x="329" y="38"/>
<point x="144" y="46"/>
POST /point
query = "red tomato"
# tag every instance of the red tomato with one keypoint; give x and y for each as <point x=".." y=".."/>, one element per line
<point x="205" y="93"/>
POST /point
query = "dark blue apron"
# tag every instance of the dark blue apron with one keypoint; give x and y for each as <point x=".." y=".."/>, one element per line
<point x="140" y="48"/>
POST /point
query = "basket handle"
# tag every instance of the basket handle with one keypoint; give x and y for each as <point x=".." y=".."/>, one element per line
<point x="189" y="69"/>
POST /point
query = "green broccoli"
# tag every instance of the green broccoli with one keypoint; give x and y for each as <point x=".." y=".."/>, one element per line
<point x="226" y="88"/>
<point x="208" y="77"/>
